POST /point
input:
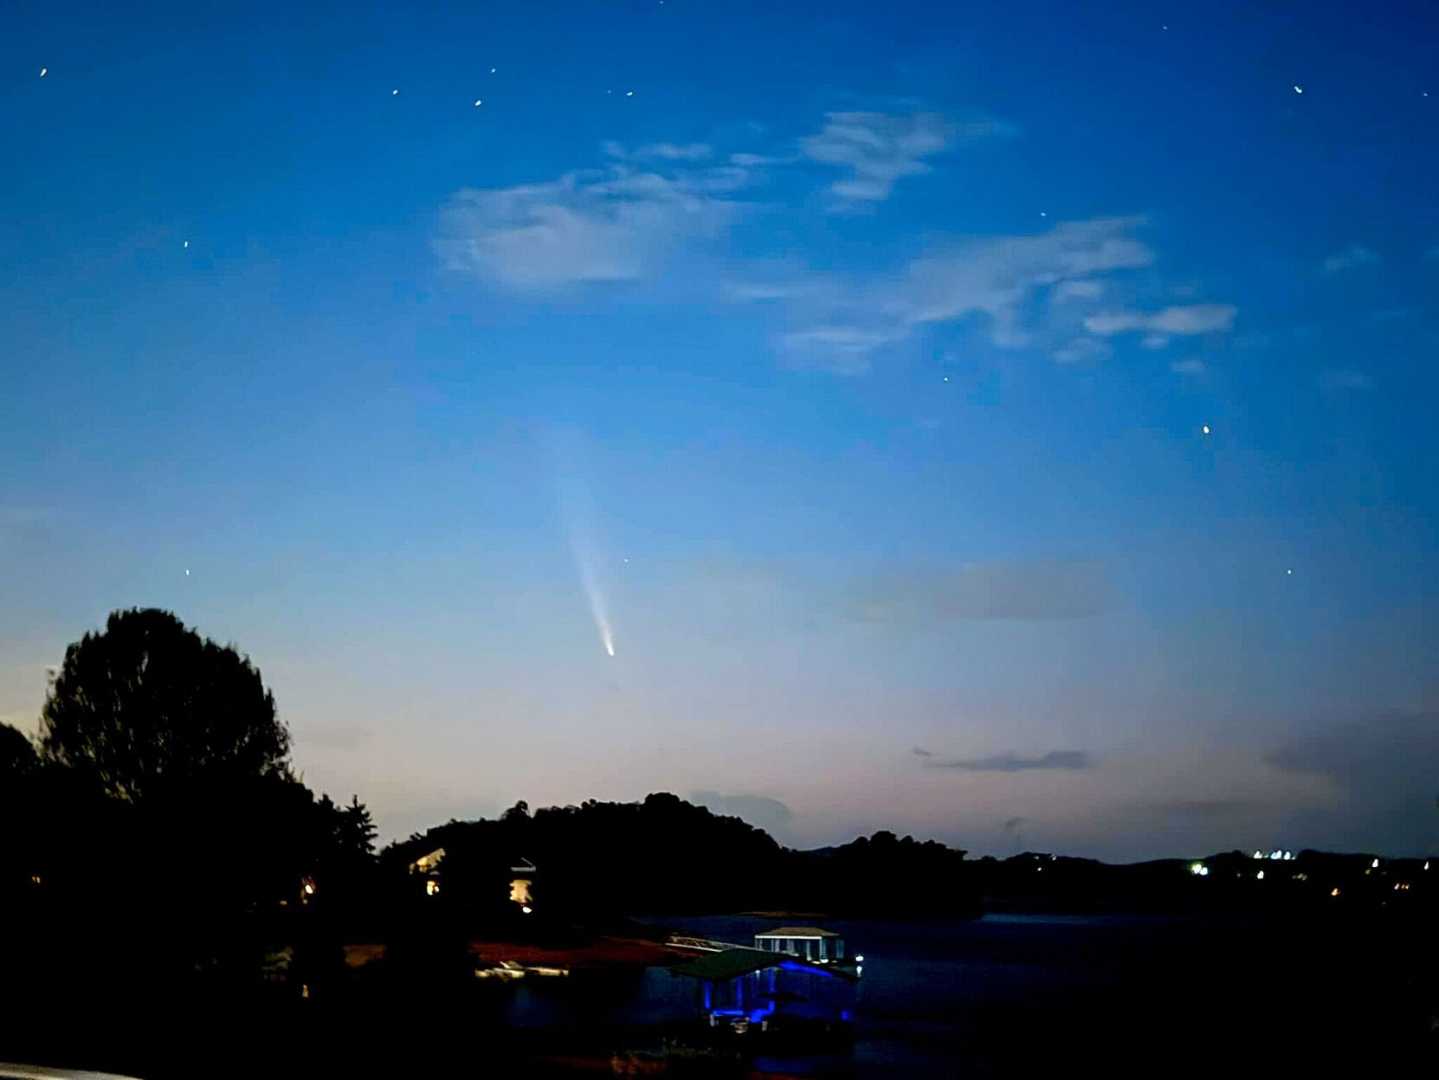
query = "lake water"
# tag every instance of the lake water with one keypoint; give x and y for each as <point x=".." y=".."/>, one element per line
<point x="1051" y="995"/>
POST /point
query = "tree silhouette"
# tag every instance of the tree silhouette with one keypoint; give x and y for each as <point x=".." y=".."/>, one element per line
<point x="17" y="756"/>
<point x="148" y="705"/>
<point x="357" y="829"/>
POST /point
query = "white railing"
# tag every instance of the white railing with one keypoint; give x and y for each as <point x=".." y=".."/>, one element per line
<point x="685" y="941"/>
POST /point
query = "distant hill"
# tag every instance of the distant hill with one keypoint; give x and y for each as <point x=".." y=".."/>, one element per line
<point x="601" y="860"/>
<point x="667" y="855"/>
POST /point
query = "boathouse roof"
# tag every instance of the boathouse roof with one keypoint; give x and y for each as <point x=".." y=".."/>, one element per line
<point x="732" y="963"/>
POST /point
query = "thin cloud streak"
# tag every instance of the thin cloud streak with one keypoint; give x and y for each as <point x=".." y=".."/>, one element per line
<point x="1187" y="319"/>
<point x="1351" y="258"/>
<point x="1063" y="760"/>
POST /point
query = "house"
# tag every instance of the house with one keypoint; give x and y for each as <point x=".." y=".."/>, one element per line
<point x="427" y="868"/>
<point x="522" y="883"/>
<point x="807" y="942"/>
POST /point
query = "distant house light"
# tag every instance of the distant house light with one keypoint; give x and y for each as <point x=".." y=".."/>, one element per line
<point x="425" y="863"/>
<point x="1259" y="876"/>
<point x="520" y="891"/>
<point x="432" y="887"/>
<point x="1259" y="854"/>
<point x="1374" y="865"/>
<point x="527" y="909"/>
<point x="1334" y="891"/>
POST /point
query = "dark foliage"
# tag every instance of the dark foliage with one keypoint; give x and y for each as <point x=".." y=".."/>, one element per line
<point x="602" y="860"/>
<point x="17" y="755"/>
<point x="147" y="706"/>
<point x="162" y="818"/>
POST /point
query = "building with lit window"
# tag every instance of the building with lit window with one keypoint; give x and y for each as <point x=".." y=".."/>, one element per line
<point x="771" y="990"/>
<point x="805" y="942"/>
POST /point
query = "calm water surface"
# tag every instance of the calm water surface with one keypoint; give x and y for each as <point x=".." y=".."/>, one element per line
<point x="1022" y="995"/>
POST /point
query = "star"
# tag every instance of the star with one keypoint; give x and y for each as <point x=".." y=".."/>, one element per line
<point x="478" y="103"/>
<point x="629" y="93"/>
<point x="1204" y="429"/>
<point x="493" y="70"/>
<point x="946" y="378"/>
<point x="46" y="71"/>
<point x="1298" y="89"/>
<point x="1044" y="213"/>
<point x="187" y="246"/>
<point x="187" y="573"/>
<point x="394" y="93"/>
<point x="1288" y="572"/>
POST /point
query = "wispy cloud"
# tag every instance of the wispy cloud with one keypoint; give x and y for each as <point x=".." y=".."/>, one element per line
<point x="1192" y="366"/>
<point x="1009" y="763"/>
<point x="1180" y="320"/>
<point x="1351" y="258"/>
<point x="766" y="290"/>
<point x="878" y="149"/>
<point x="1084" y="289"/>
<point x="752" y="161"/>
<point x="920" y="751"/>
<point x="839" y="350"/>
<point x="1033" y="590"/>
<point x="1030" y="290"/>
<point x="661" y="151"/>
<point x="1081" y="351"/>
<point x="1345" y="380"/>
<point x="619" y="224"/>
<point x="662" y="201"/>
<point x="994" y="277"/>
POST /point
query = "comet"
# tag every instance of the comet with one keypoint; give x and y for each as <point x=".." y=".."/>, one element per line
<point x="578" y="516"/>
<point x="584" y="561"/>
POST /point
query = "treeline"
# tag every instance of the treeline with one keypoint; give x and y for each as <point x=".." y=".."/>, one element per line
<point x="602" y="860"/>
<point x="156" y="830"/>
<point x="1307" y="880"/>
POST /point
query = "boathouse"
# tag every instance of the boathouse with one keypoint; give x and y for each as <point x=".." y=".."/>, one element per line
<point x="770" y="989"/>
<point x="806" y="942"/>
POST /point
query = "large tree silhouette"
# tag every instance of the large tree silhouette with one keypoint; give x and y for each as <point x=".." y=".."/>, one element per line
<point x="147" y="707"/>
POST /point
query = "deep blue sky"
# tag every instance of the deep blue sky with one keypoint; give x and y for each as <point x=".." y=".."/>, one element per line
<point x="849" y="369"/>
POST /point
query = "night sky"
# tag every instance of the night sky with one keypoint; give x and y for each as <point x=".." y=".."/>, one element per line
<point x="1013" y="424"/>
